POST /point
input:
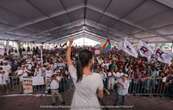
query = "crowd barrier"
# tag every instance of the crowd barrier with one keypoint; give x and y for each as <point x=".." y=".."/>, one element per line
<point x="41" y="85"/>
<point x="31" y="85"/>
<point x="150" y="87"/>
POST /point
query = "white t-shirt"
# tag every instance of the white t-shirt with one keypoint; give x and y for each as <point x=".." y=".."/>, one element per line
<point x="49" y="73"/>
<point x="105" y="65"/>
<point x="104" y="75"/>
<point x="21" y="74"/>
<point x="124" y="87"/>
<point x="54" y="85"/>
<point x="29" y="66"/>
<point x="118" y="74"/>
<point x="85" y="90"/>
<point x="3" y="79"/>
<point x="109" y="74"/>
<point x="100" y="61"/>
<point x="38" y="73"/>
<point x="59" y="78"/>
<point x="7" y="69"/>
<point x="164" y="79"/>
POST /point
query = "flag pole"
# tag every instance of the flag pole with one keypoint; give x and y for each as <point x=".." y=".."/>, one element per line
<point x="41" y="52"/>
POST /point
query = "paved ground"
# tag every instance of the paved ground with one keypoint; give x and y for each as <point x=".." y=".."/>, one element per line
<point x="34" y="102"/>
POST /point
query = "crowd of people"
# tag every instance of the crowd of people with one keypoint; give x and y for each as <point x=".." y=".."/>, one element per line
<point x="113" y="65"/>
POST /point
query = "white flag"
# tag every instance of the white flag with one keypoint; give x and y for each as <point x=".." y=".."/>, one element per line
<point x="145" y="50"/>
<point x="120" y="45"/>
<point x="2" y="51"/>
<point x="7" y="47"/>
<point x="163" y="57"/>
<point x="129" y="49"/>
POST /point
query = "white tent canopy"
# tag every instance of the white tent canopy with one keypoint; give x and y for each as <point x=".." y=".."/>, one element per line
<point x="49" y="20"/>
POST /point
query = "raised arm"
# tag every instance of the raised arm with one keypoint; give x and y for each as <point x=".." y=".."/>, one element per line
<point x="71" y="68"/>
<point x="68" y="54"/>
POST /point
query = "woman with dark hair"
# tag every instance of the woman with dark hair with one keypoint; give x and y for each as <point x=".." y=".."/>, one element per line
<point x="87" y="84"/>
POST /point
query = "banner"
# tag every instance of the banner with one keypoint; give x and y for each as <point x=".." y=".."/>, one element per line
<point x="163" y="57"/>
<point x="145" y="50"/>
<point x="27" y="85"/>
<point x="38" y="80"/>
<point x="129" y="49"/>
<point x="2" y="51"/>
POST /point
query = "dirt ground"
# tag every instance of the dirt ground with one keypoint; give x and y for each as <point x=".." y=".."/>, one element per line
<point x="34" y="102"/>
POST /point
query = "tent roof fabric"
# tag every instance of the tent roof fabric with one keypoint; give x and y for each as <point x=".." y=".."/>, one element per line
<point x="49" y="20"/>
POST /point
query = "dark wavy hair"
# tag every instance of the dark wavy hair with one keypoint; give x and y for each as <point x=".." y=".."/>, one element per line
<point x="83" y="59"/>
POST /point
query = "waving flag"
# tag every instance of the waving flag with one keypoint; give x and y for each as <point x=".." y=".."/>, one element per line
<point x="120" y="45"/>
<point x="129" y="49"/>
<point x="2" y="51"/>
<point x="145" y="50"/>
<point x="163" y="57"/>
<point x="7" y="48"/>
<point x="107" y="44"/>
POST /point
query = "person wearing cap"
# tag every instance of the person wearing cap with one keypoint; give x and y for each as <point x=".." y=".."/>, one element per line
<point x="122" y="89"/>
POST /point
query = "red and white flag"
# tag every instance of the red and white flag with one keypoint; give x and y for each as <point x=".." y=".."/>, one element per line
<point x="145" y="50"/>
<point x="129" y="48"/>
<point x="163" y="56"/>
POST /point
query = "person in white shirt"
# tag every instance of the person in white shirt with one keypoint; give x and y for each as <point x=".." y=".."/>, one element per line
<point x="21" y="73"/>
<point x="105" y="64"/>
<point x="104" y="78"/>
<point x="118" y="74"/>
<point x="88" y="85"/>
<point x="49" y="72"/>
<point x="100" y="60"/>
<point x="111" y="80"/>
<point x="54" y="86"/>
<point x="123" y="86"/>
<point x="7" y="68"/>
<point x="29" y="66"/>
<point x="38" y="71"/>
<point x="3" y="81"/>
<point x="3" y="78"/>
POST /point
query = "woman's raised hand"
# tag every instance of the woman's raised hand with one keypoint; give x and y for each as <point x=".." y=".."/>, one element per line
<point x="70" y="41"/>
<point x="68" y="54"/>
